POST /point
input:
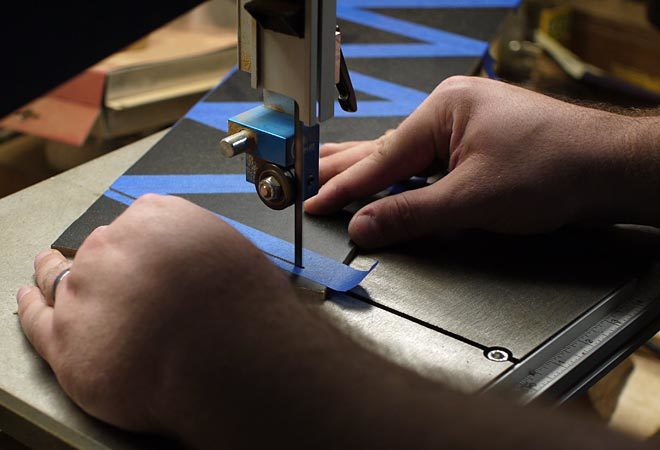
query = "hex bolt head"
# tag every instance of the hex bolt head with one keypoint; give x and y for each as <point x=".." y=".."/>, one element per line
<point x="270" y="189"/>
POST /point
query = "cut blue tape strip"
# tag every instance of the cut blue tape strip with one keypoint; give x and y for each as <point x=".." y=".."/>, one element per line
<point x="137" y="185"/>
<point x="318" y="268"/>
<point x="134" y="186"/>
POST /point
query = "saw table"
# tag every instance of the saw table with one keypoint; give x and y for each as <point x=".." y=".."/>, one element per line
<point x="33" y="408"/>
<point x="541" y="315"/>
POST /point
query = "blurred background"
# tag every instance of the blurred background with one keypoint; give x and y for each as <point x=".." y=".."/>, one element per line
<point x="131" y="94"/>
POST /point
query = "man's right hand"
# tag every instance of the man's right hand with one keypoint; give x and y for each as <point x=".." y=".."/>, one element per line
<point x="519" y="162"/>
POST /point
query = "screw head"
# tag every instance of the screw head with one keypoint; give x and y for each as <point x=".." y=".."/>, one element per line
<point x="270" y="189"/>
<point x="497" y="355"/>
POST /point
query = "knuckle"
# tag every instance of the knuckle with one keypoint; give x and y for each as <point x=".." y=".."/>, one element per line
<point x="150" y="200"/>
<point x="383" y="149"/>
<point x="46" y="281"/>
<point x="24" y="304"/>
<point x="457" y="82"/>
<point x="338" y="190"/>
<point x="457" y="86"/>
<point x="403" y="210"/>
<point x="48" y="261"/>
<point x="47" y="272"/>
<point x="55" y="271"/>
<point x="97" y="238"/>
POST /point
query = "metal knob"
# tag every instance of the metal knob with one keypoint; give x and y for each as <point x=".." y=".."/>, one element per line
<point x="237" y="143"/>
<point x="270" y="189"/>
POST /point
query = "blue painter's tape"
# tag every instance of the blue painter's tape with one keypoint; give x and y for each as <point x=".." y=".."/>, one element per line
<point x="137" y="185"/>
<point x="133" y="186"/>
<point x="423" y="4"/>
<point x="489" y="65"/>
<point x="318" y="268"/>
<point x="217" y="114"/>
<point x="118" y="197"/>
<point x="411" y="51"/>
<point x="405" y="28"/>
<point x="378" y="109"/>
<point x="433" y="42"/>
<point x="397" y="101"/>
<point x="385" y="90"/>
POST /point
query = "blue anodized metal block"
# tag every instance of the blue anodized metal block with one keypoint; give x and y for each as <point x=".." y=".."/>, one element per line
<point x="274" y="131"/>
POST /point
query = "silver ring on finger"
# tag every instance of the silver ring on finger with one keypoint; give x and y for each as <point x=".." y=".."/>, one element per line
<point x="58" y="279"/>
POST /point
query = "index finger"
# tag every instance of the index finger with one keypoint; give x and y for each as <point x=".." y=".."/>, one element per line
<point x="48" y="266"/>
<point x="405" y="152"/>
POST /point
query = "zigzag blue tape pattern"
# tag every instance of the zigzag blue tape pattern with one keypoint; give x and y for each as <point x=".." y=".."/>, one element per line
<point x="137" y="185"/>
<point x="394" y="101"/>
<point x="397" y="100"/>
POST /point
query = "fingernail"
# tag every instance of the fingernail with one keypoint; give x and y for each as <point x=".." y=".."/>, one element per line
<point x="364" y="230"/>
<point x="22" y="292"/>
<point x="41" y="256"/>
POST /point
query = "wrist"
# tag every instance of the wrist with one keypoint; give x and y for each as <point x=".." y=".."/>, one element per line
<point x="270" y="378"/>
<point x="624" y="167"/>
<point x="308" y="387"/>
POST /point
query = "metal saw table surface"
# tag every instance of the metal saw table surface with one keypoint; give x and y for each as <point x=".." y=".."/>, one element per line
<point x="459" y="301"/>
<point x="35" y="410"/>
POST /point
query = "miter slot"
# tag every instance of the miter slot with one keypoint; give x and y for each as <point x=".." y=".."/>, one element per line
<point x="509" y="292"/>
<point x="487" y="352"/>
<point x="433" y="355"/>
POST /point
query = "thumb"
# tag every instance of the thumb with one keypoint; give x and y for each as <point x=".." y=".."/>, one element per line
<point x="436" y="209"/>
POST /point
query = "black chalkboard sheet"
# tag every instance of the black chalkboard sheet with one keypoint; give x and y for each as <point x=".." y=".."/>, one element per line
<point x="397" y="52"/>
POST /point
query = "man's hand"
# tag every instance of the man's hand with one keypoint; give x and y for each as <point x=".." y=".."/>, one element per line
<point x="172" y="322"/>
<point x="518" y="162"/>
<point x="153" y="301"/>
